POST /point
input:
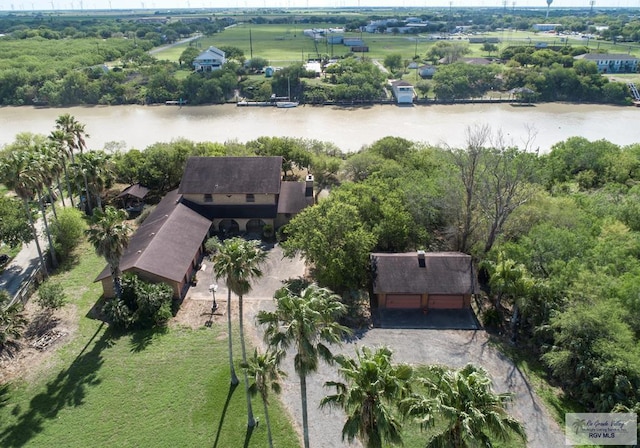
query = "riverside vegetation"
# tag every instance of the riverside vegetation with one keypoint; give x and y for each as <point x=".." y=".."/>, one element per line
<point x="105" y="60"/>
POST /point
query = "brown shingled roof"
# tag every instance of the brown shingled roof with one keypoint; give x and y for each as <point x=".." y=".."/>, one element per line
<point x="166" y="242"/>
<point x="136" y="190"/>
<point x="292" y="197"/>
<point x="444" y="273"/>
<point x="231" y="175"/>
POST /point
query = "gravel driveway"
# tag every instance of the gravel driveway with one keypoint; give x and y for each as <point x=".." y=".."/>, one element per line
<point x="454" y="348"/>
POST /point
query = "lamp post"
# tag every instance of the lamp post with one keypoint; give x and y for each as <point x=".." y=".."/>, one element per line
<point x="214" y="306"/>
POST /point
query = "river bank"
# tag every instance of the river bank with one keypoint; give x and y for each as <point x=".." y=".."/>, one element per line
<point x="349" y="128"/>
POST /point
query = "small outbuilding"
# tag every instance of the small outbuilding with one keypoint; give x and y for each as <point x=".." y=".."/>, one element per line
<point x="423" y="281"/>
<point x="132" y="198"/>
<point x="403" y="92"/>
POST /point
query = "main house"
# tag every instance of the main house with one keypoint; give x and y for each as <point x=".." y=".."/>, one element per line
<point x="217" y="194"/>
<point x="612" y="63"/>
<point x="209" y="60"/>
<point x="423" y="281"/>
<point x="243" y="194"/>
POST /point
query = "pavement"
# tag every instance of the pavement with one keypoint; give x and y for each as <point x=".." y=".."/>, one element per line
<point x="430" y="339"/>
<point x="23" y="266"/>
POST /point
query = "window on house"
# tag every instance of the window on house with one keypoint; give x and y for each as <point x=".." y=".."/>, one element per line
<point x="251" y="197"/>
<point x="208" y="198"/>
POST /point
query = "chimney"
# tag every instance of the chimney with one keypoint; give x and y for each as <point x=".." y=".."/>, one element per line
<point x="308" y="189"/>
<point x="422" y="262"/>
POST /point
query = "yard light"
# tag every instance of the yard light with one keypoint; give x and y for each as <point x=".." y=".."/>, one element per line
<point x="213" y="288"/>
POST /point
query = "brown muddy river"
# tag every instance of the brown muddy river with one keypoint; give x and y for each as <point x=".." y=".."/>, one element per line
<point x="349" y="129"/>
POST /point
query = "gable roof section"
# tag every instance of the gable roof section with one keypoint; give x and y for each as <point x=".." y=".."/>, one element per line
<point x="444" y="273"/>
<point x="210" y="53"/>
<point x="231" y="175"/>
<point x="135" y="190"/>
<point x="166" y="242"/>
<point x="292" y="197"/>
<point x="609" y="56"/>
<point x="401" y="82"/>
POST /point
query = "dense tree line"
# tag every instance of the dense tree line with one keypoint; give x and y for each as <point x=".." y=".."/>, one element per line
<point x="556" y="237"/>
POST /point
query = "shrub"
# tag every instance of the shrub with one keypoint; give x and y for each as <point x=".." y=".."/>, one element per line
<point x="144" y="214"/>
<point x="142" y="305"/>
<point x="12" y="323"/>
<point x="67" y="231"/>
<point x="491" y="318"/>
<point x="51" y="296"/>
<point x="212" y="245"/>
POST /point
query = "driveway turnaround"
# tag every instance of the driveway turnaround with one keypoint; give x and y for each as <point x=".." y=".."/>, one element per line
<point x="411" y="343"/>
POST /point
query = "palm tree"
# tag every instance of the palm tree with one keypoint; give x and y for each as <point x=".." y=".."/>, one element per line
<point x="19" y="174"/>
<point x="238" y="261"/>
<point x="470" y="409"/>
<point x="109" y="235"/>
<point x="265" y="371"/>
<point x="76" y="130"/>
<point x="370" y="396"/>
<point x="95" y="166"/>
<point x="62" y="143"/>
<point x="38" y="163"/>
<point x="306" y="320"/>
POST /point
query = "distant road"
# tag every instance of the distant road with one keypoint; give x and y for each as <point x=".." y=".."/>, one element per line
<point x="179" y="42"/>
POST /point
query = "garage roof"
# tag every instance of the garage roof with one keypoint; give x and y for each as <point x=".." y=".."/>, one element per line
<point x="443" y="273"/>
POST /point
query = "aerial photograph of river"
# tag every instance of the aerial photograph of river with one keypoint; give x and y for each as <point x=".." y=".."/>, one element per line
<point x="348" y="128"/>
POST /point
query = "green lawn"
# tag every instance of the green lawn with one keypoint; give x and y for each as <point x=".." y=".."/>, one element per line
<point x="283" y="44"/>
<point x="163" y="389"/>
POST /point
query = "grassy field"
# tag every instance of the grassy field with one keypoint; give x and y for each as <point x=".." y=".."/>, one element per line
<point x="163" y="389"/>
<point x="284" y="44"/>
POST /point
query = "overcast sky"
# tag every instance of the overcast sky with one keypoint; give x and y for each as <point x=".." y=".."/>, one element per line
<point x="46" y="5"/>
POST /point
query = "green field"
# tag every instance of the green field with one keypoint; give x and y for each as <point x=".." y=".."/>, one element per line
<point x="284" y="44"/>
<point x="161" y="389"/>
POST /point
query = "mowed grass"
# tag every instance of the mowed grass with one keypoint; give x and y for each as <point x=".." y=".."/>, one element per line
<point x="284" y="44"/>
<point x="145" y="389"/>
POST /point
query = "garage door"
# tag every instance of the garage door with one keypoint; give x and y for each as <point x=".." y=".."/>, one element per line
<point x="403" y="301"/>
<point x="446" y="302"/>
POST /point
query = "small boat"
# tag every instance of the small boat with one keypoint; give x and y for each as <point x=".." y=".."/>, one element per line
<point x="286" y="104"/>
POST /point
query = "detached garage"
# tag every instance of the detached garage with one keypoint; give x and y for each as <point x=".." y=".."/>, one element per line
<point x="423" y="281"/>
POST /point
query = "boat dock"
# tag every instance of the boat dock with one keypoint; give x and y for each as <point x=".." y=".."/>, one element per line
<point x="255" y="104"/>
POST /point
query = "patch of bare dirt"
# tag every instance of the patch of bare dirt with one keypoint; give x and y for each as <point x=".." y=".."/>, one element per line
<point x="45" y="333"/>
<point x="195" y="313"/>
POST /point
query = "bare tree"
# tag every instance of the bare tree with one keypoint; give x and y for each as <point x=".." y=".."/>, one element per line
<point x="505" y="184"/>
<point x="494" y="180"/>
<point x="468" y="162"/>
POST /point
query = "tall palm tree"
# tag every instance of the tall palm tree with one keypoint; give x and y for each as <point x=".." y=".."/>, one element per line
<point x="470" y="409"/>
<point x="308" y="321"/>
<point x="373" y="388"/>
<point x="38" y="163"/>
<point x="62" y="143"/>
<point x="238" y="262"/>
<point x="19" y="174"/>
<point x="73" y="127"/>
<point x="109" y="235"/>
<point x="265" y="371"/>
<point x="95" y="166"/>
